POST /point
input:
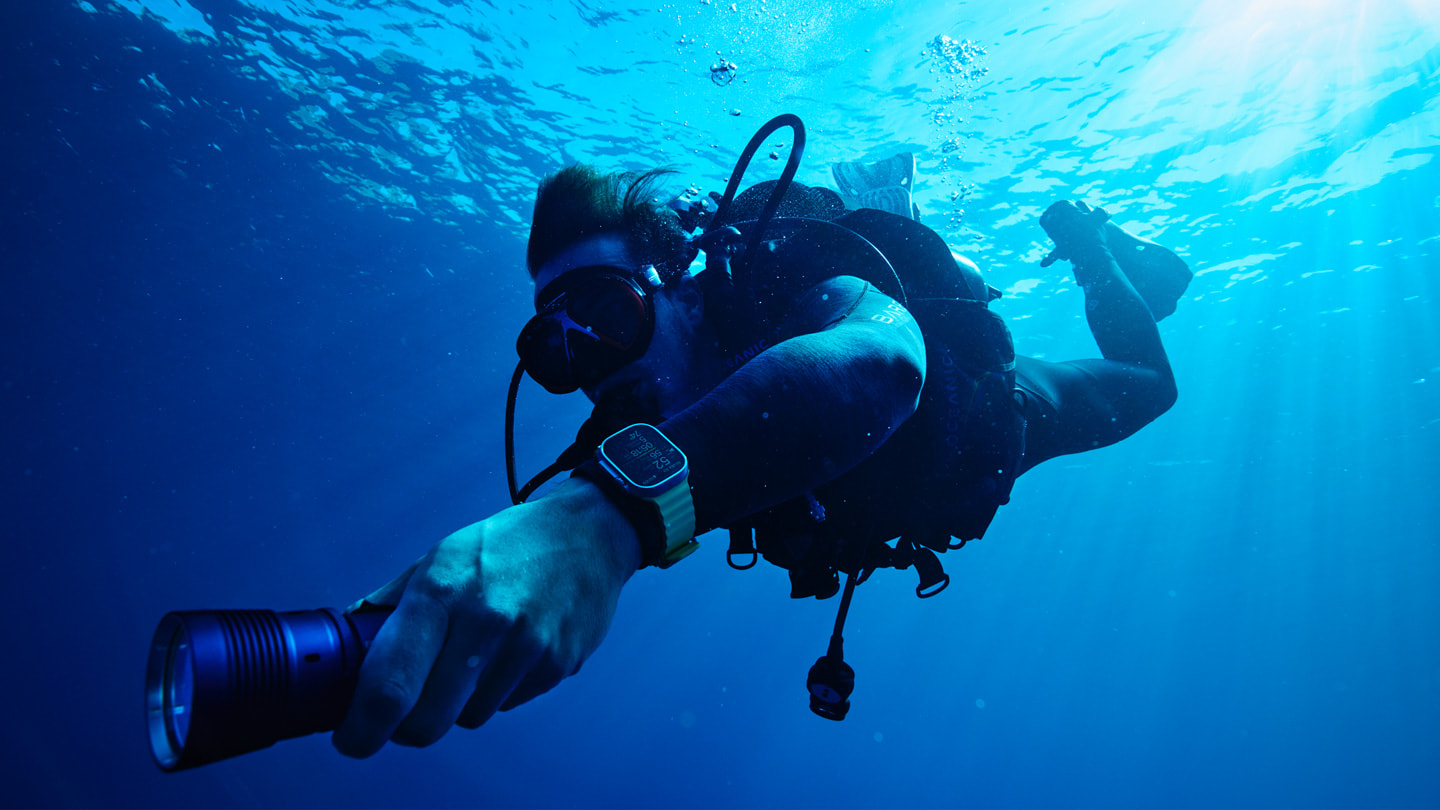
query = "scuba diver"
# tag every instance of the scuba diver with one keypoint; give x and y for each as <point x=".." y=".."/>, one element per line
<point x="830" y="386"/>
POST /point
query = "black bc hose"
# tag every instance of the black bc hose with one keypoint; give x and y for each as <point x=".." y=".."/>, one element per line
<point x="572" y="456"/>
<point x="510" y="433"/>
<point x="792" y="165"/>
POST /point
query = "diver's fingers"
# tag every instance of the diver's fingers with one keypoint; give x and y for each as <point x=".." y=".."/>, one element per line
<point x="389" y="593"/>
<point x="538" y="683"/>
<point x="506" y="671"/>
<point x="392" y="675"/>
<point x="1051" y="258"/>
<point x="474" y="646"/>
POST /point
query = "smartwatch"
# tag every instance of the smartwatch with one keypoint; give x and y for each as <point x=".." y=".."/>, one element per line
<point x="648" y="477"/>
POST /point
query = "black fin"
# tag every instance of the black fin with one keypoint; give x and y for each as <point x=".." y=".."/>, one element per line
<point x="1156" y="272"/>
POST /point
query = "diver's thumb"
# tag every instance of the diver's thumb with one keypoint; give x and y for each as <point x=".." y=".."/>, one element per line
<point x="387" y="595"/>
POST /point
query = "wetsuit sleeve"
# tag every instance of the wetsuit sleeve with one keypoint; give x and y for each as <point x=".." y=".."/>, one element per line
<point x="846" y="372"/>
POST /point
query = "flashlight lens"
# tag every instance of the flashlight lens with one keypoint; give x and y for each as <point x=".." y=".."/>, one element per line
<point x="179" y="688"/>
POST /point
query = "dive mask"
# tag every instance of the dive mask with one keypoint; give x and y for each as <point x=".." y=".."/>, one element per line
<point x="591" y="322"/>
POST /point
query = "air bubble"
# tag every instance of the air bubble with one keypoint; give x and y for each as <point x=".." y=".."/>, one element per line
<point x="723" y="72"/>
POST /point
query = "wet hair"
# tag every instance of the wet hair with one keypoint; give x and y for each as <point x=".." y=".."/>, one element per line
<point x="578" y="202"/>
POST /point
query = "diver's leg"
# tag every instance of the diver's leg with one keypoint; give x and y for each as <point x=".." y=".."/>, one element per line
<point x="1155" y="271"/>
<point x="1084" y="404"/>
<point x="1119" y="318"/>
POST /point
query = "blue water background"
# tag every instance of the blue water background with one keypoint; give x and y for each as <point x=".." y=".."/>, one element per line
<point x="262" y="270"/>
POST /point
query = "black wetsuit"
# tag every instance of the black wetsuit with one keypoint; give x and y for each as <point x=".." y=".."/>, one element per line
<point x="816" y="424"/>
<point x="810" y="410"/>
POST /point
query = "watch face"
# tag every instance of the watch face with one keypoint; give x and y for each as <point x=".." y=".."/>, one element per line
<point x="643" y="456"/>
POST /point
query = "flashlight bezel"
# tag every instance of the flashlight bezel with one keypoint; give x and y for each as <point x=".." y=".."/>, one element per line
<point x="171" y="642"/>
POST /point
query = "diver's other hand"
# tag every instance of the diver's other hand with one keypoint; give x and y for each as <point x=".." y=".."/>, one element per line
<point x="1075" y="228"/>
<point x="493" y="616"/>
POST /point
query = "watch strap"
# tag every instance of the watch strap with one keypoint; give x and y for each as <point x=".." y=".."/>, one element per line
<point x="677" y="513"/>
<point x="662" y="542"/>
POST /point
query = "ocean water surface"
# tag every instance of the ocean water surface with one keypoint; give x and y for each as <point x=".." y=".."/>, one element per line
<point x="263" y="270"/>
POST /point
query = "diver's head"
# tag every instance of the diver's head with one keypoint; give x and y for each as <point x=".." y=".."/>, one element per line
<point x="607" y="324"/>
<point x="616" y="312"/>
<point x="578" y="202"/>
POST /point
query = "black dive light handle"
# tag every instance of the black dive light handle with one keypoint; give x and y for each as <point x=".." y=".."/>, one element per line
<point x="220" y="683"/>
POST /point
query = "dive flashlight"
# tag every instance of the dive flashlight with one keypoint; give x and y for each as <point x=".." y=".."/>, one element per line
<point x="220" y="683"/>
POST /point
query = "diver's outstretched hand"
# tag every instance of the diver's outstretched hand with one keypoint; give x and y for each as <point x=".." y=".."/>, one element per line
<point x="495" y="615"/>
<point x="1074" y="227"/>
